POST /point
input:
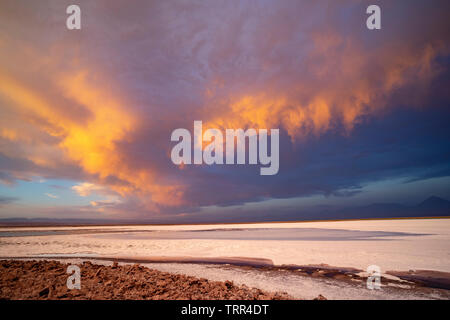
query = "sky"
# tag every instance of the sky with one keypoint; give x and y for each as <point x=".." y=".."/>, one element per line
<point x="87" y="115"/>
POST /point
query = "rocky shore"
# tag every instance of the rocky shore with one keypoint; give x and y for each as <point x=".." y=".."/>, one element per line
<point x="48" y="280"/>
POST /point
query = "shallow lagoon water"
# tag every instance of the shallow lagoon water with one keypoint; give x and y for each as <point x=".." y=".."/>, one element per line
<point x="287" y="234"/>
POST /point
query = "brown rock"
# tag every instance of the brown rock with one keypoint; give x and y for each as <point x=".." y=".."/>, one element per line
<point x="46" y="279"/>
<point x="228" y="284"/>
<point x="44" y="292"/>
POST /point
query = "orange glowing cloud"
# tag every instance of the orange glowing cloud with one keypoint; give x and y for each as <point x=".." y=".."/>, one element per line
<point x="339" y="91"/>
<point x="91" y="144"/>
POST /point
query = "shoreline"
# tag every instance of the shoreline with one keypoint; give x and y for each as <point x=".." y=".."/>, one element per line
<point x="47" y="280"/>
<point x="415" y="278"/>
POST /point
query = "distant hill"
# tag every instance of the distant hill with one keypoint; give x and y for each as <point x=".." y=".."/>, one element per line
<point x="434" y="203"/>
<point x="431" y="207"/>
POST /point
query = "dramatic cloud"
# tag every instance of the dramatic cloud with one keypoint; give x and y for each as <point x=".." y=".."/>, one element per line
<point x="98" y="105"/>
<point x="86" y="188"/>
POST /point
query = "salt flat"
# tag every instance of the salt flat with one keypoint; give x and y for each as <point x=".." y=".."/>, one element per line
<point x="390" y="244"/>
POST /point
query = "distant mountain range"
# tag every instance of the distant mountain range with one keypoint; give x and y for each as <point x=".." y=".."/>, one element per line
<point x="431" y="207"/>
